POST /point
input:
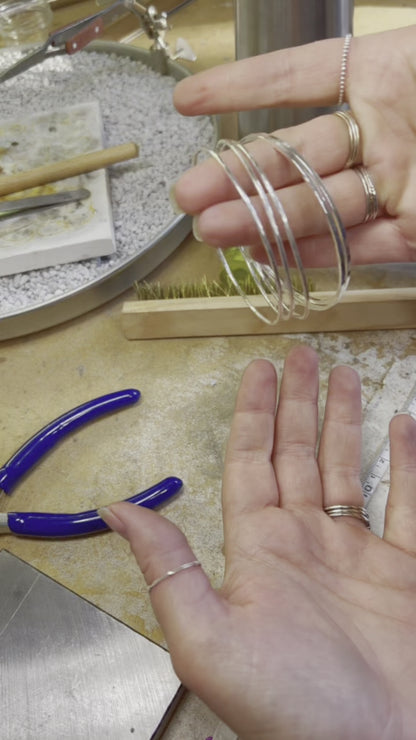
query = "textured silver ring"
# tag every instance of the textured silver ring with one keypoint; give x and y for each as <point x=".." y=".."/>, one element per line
<point x="354" y="153"/>
<point x="344" y="65"/>
<point x="371" y="200"/>
<point x="170" y="573"/>
<point x="357" y="512"/>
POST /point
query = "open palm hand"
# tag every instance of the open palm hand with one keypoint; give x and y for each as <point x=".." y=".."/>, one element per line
<point x="313" y="633"/>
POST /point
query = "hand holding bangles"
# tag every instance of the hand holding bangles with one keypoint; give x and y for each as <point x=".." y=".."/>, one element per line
<point x="363" y="153"/>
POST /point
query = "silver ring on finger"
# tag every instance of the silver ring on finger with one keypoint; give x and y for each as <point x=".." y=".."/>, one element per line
<point x="354" y="138"/>
<point x="371" y="200"/>
<point x="344" y="67"/>
<point x="357" y="512"/>
<point x="170" y="573"/>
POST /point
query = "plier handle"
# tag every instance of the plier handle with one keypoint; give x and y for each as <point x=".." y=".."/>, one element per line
<point x="36" y="524"/>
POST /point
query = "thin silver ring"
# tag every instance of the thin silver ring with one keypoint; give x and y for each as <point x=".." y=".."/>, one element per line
<point x="170" y="573"/>
<point x="357" y="512"/>
<point x="344" y="66"/>
<point x="371" y="200"/>
<point x="354" y="153"/>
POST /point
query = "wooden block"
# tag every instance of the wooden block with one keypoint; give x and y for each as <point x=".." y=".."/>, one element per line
<point x="369" y="309"/>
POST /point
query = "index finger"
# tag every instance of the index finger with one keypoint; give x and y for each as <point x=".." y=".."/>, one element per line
<point x="249" y="482"/>
<point x="301" y="76"/>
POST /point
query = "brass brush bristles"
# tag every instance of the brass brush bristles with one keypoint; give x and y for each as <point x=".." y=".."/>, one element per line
<point x="203" y="289"/>
<point x="146" y="291"/>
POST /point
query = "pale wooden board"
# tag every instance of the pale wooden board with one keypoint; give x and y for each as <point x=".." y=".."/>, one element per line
<point x="385" y="308"/>
<point x="67" y="233"/>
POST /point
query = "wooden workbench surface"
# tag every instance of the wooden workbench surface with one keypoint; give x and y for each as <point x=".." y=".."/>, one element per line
<point x="181" y="424"/>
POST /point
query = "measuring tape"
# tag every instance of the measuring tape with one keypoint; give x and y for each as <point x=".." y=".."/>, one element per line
<point x="381" y="464"/>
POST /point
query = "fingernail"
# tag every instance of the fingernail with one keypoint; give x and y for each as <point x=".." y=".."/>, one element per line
<point x="112" y="520"/>
<point x="195" y="229"/>
<point x="174" y="203"/>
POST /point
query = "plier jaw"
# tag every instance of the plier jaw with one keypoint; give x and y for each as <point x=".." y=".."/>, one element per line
<point x="37" y="524"/>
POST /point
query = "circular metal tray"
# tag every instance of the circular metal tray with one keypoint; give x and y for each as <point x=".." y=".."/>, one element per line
<point x="109" y="285"/>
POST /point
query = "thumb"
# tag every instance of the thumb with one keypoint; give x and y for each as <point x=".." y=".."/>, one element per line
<point x="185" y="604"/>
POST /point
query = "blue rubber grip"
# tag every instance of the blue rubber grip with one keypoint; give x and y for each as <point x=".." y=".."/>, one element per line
<point x="29" y="454"/>
<point x="33" y="524"/>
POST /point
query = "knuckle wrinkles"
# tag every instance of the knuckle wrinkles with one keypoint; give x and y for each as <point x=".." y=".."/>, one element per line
<point x="254" y="455"/>
<point x="295" y="449"/>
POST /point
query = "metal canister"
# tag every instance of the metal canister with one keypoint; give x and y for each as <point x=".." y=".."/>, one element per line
<point x="268" y="25"/>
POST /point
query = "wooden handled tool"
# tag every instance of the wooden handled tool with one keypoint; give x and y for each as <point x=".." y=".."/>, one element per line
<point x="67" y="168"/>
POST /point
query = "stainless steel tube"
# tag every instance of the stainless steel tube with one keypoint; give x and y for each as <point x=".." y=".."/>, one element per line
<point x="267" y="25"/>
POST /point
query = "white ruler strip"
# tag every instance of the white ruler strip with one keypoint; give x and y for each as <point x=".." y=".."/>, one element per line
<point x="381" y="464"/>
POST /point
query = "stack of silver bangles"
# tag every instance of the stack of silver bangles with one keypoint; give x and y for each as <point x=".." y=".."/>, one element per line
<point x="281" y="279"/>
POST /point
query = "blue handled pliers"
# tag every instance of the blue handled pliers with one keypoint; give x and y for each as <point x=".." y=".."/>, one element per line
<point x="37" y="524"/>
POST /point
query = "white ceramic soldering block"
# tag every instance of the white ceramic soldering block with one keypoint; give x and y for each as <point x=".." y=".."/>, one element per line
<point x="67" y="233"/>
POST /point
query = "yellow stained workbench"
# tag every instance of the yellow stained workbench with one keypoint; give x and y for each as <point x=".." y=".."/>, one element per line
<point x="188" y="388"/>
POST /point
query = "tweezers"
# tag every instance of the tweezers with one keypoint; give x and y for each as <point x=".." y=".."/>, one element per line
<point x="39" y="524"/>
<point x="76" y="36"/>
<point x="38" y="202"/>
<point x="69" y="39"/>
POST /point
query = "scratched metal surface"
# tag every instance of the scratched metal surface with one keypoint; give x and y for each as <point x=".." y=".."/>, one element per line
<point x="70" y="671"/>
